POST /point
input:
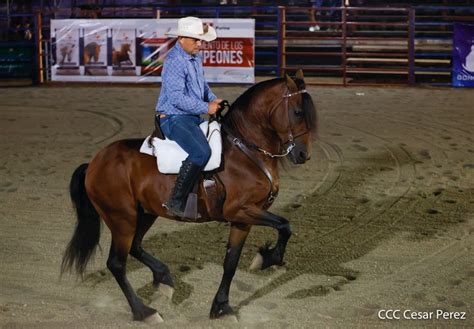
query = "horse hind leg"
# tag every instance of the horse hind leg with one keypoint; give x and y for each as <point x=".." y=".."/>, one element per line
<point x="161" y="273"/>
<point x="116" y="263"/>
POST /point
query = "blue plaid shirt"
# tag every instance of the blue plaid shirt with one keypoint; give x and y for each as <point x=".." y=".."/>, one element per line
<point x="183" y="89"/>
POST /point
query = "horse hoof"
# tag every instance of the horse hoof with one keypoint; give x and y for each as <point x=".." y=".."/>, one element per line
<point x="154" y="319"/>
<point x="220" y="310"/>
<point x="257" y="262"/>
<point x="166" y="290"/>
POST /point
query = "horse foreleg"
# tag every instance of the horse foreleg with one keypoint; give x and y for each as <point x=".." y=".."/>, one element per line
<point x="238" y="235"/>
<point x="161" y="274"/>
<point x="267" y="256"/>
<point x="116" y="263"/>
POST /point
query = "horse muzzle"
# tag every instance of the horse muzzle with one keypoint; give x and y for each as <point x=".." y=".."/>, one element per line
<point x="299" y="156"/>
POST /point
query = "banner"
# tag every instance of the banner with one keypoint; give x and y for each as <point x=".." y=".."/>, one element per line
<point x="463" y="55"/>
<point x="133" y="50"/>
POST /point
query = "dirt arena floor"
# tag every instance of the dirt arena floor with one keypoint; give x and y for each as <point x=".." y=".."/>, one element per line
<point x="382" y="217"/>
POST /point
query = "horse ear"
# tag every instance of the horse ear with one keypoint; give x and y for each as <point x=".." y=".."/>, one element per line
<point x="299" y="74"/>
<point x="290" y="82"/>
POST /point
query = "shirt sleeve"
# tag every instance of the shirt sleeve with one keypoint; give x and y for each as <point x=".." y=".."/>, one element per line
<point x="174" y="77"/>
<point x="208" y="94"/>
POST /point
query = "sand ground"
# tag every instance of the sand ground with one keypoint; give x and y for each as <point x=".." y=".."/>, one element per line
<point x="382" y="216"/>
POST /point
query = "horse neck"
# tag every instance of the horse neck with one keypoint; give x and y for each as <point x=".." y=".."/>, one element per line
<point x="249" y="133"/>
<point x="251" y="125"/>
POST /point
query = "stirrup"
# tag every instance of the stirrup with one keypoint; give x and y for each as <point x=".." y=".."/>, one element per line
<point x="190" y="212"/>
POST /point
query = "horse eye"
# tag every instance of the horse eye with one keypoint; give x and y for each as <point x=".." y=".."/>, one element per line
<point x="298" y="112"/>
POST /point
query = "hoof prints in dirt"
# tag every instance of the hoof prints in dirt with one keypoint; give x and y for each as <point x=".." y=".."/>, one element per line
<point x="360" y="147"/>
<point x="311" y="292"/>
<point x="321" y="290"/>
<point x="323" y="240"/>
<point x="425" y="154"/>
<point x="432" y="211"/>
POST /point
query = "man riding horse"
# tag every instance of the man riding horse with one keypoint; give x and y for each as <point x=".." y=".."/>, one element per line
<point x="185" y="95"/>
<point x="272" y="120"/>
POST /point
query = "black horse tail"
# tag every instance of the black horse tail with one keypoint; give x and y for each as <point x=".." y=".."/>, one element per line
<point x="87" y="233"/>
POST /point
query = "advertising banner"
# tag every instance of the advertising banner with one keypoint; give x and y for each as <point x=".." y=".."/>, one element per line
<point x="133" y="50"/>
<point x="463" y="55"/>
<point x="94" y="54"/>
<point x="67" y="51"/>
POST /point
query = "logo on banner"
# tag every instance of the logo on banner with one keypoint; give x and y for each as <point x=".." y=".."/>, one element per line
<point x="463" y="55"/>
<point x="469" y="61"/>
<point x="228" y="52"/>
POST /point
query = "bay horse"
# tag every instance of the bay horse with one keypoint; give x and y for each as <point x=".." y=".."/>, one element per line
<point x="271" y="120"/>
<point x="122" y="55"/>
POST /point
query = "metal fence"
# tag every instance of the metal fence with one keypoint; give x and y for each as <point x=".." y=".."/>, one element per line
<point x="371" y="45"/>
<point x="335" y="45"/>
<point x="352" y="48"/>
<point x="19" y="51"/>
<point x="433" y="35"/>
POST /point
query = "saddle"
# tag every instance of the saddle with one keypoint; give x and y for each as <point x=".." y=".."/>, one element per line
<point x="169" y="155"/>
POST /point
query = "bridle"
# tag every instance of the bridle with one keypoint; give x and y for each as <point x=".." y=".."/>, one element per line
<point x="291" y="137"/>
<point x="246" y="147"/>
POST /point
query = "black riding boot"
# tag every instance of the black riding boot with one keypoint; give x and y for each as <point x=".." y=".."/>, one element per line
<point x="187" y="177"/>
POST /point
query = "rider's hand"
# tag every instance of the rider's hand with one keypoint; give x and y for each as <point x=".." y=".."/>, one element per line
<point x="212" y="108"/>
<point x="217" y="100"/>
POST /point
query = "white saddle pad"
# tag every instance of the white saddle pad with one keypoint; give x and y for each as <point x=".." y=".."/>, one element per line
<point x="169" y="155"/>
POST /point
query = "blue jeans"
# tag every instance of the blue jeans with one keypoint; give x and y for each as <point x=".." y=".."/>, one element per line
<point x="184" y="130"/>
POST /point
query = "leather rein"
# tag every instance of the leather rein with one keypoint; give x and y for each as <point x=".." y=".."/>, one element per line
<point x="246" y="148"/>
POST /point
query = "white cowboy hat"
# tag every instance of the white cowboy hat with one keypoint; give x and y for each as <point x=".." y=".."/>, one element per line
<point x="193" y="27"/>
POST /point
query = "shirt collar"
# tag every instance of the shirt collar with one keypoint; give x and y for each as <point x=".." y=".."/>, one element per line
<point x="183" y="52"/>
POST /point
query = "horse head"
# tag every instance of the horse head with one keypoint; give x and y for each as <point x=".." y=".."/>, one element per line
<point x="277" y="117"/>
<point x="294" y="119"/>
<point x="125" y="48"/>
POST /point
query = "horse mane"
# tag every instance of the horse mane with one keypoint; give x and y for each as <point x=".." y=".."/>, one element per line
<point x="236" y="118"/>
<point x="309" y="109"/>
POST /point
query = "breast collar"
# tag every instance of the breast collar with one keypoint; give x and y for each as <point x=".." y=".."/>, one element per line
<point x="256" y="160"/>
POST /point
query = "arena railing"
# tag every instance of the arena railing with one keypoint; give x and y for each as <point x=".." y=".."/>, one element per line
<point x="19" y="53"/>
<point x="348" y="45"/>
<point x="362" y="45"/>
<point x="433" y="41"/>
